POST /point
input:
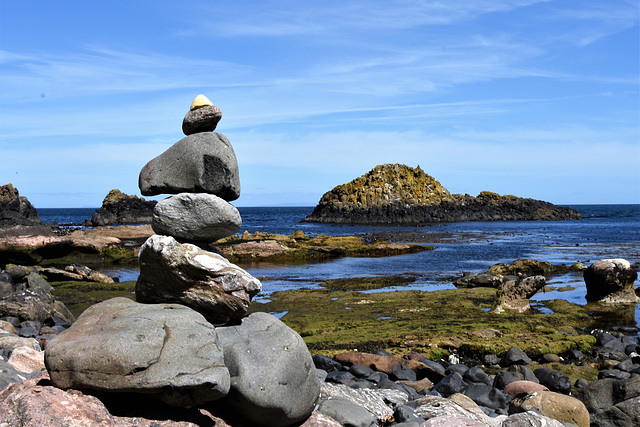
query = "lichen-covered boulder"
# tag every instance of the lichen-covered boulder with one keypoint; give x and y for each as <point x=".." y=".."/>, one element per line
<point x="611" y="281"/>
<point x="513" y="295"/>
<point x="196" y="217"/>
<point x="186" y="274"/>
<point x="273" y="380"/>
<point x="200" y="163"/>
<point x="167" y="350"/>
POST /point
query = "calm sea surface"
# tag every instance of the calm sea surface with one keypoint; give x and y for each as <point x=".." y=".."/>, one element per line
<point x="606" y="231"/>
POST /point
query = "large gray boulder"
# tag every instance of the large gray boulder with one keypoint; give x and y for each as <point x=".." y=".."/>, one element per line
<point x="121" y="346"/>
<point x="611" y="281"/>
<point x="196" y="217"/>
<point x="186" y="274"/>
<point x="273" y="380"/>
<point x="200" y="163"/>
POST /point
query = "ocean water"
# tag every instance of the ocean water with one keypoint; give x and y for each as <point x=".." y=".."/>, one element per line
<point x="606" y="231"/>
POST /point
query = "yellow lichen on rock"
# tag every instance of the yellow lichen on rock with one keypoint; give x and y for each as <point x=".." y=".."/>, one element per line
<point x="200" y="101"/>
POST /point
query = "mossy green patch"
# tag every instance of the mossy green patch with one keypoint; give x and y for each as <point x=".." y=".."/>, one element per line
<point x="401" y="321"/>
<point x="297" y="247"/>
<point x="78" y="296"/>
<point x="367" y="283"/>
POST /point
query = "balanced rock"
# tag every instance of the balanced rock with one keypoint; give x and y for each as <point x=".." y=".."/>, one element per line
<point x="121" y="346"/>
<point x="611" y="280"/>
<point x="186" y="274"/>
<point x="203" y="116"/>
<point x="200" y="163"/>
<point x="196" y="217"/>
<point x="16" y="209"/>
<point x="273" y="380"/>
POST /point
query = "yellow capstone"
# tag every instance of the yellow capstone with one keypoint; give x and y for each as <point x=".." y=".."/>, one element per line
<point x="200" y="101"/>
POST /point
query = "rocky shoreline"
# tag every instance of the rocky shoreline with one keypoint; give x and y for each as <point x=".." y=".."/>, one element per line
<point x="595" y="382"/>
<point x="398" y="194"/>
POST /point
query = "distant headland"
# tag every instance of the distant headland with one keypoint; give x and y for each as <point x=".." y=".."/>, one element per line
<point x="401" y="195"/>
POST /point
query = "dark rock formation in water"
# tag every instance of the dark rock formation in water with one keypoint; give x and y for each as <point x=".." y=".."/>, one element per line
<point x="120" y="208"/>
<point x="16" y="209"/>
<point x="398" y="194"/>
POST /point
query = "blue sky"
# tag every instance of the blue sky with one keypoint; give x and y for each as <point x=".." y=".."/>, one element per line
<point x="536" y="98"/>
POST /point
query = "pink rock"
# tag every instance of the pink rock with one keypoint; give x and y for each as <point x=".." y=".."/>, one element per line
<point x="320" y="420"/>
<point x="386" y="364"/>
<point x="515" y="388"/>
<point x="26" y="359"/>
<point x="452" y="421"/>
<point x="33" y="403"/>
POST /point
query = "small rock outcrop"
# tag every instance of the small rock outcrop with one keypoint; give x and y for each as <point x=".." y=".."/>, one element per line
<point x="16" y="209"/>
<point x="122" y="346"/>
<point x="398" y="194"/>
<point x="611" y="281"/>
<point x="513" y="295"/>
<point x="120" y="208"/>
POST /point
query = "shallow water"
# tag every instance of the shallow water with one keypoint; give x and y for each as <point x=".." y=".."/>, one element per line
<point x="606" y="231"/>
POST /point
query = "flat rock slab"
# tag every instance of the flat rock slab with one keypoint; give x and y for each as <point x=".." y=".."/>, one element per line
<point x="196" y="216"/>
<point x="200" y="163"/>
<point x="122" y="346"/>
<point x="186" y="274"/>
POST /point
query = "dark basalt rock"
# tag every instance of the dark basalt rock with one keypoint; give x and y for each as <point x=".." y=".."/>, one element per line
<point x="120" y="208"/>
<point x="398" y="194"/>
<point x="16" y="209"/>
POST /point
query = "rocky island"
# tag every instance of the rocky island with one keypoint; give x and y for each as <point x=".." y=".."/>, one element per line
<point x="399" y="194"/>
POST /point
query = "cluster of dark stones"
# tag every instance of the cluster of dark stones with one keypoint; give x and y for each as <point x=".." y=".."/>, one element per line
<point x="419" y="392"/>
<point x="29" y="318"/>
<point x="16" y="209"/>
<point x="394" y="202"/>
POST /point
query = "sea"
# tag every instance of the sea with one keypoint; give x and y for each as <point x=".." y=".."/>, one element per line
<point x="606" y="231"/>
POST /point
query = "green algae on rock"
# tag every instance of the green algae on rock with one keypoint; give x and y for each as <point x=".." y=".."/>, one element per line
<point x="399" y="194"/>
<point x="298" y="247"/>
<point x="425" y="321"/>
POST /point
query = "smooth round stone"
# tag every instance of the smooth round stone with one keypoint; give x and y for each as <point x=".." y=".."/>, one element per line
<point x="195" y="217"/>
<point x="203" y="119"/>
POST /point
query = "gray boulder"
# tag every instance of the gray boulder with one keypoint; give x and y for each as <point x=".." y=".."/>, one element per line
<point x="347" y="413"/>
<point x="273" y="380"/>
<point x="196" y="217"/>
<point x="121" y="346"/>
<point x="185" y="274"/>
<point x="200" y="163"/>
<point x="611" y="281"/>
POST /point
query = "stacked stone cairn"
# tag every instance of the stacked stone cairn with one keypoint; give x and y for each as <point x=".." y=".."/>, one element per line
<point x="187" y="340"/>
